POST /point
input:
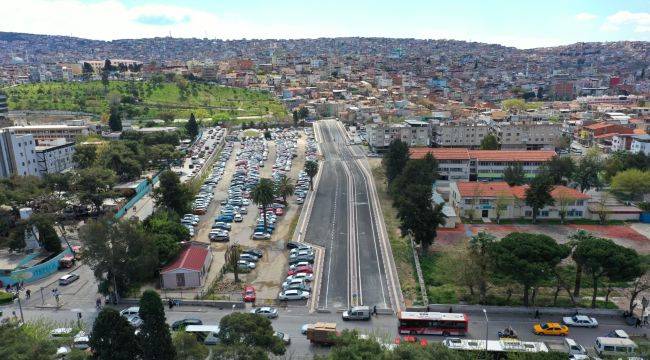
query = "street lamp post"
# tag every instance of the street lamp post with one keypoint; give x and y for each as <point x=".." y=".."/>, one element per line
<point x="487" y="330"/>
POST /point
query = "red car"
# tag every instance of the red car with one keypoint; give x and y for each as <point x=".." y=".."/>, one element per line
<point x="248" y="294"/>
<point x="279" y="212"/>
<point x="300" y="269"/>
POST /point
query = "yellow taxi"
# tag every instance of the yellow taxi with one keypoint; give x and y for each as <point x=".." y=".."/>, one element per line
<point x="551" y="328"/>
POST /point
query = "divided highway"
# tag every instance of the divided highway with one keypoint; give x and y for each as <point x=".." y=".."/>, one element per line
<point x="345" y="221"/>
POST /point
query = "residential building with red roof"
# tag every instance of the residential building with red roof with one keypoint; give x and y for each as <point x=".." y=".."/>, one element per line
<point x="498" y="199"/>
<point x="471" y="165"/>
<point x="190" y="268"/>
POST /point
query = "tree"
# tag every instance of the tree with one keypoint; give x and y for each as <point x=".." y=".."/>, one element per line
<point x="192" y="127"/>
<point x="411" y="192"/>
<point x="514" y="105"/>
<point x="187" y="347"/>
<point x="48" y="237"/>
<point x="574" y="240"/>
<point x="166" y="222"/>
<point x="528" y="259"/>
<point x="93" y="185"/>
<point x="125" y="158"/>
<point x="154" y="334"/>
<point x="559" y="169"/>
<point x="84" y="155"/>
<point x="501" y="205"/>
<point x="263" y="194"/>
<point x="121" y="254"/>
<point x="250" y="330"/>
<point x="284" y="187"/>
<point x="303" y="112"/>
<point x="171" y="194"/>
<point x="631" y="184"/>
<point x="311" y="168"/>
<point x="87" y="71"/>
<point x="514" y="174"/>
<point x="295" y="118"/>
<point x="231" y="257"/>
<point x="538" y="194"/>
<point x="490" y="142"/>
<point x="25" y="342"/>
<point x="563" y="201"/>
<point x="167" y="248"/>
<point x="114" y="119"/>
<point x="395" y="159"/>
<point x="640" y="285"/>
<point x="113" y="338"/>
<point x="603" y="258"/>
<point x="586" y="173"/>
<point x="106" y="70"/>
<point x="479" y="246"/>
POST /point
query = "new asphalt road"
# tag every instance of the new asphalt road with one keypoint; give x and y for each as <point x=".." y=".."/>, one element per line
<point x="343" y="221"/>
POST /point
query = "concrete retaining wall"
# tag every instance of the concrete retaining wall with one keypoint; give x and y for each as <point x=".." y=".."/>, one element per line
<point x="219" y="304"/>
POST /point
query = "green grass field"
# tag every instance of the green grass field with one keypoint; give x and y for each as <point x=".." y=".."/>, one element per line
<point x="145" y="99"/>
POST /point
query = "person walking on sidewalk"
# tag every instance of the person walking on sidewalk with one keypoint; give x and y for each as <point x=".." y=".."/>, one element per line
<point x="28" y="294"/>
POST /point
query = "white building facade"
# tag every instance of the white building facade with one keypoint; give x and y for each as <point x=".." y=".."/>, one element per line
<point x="17" y="155"/>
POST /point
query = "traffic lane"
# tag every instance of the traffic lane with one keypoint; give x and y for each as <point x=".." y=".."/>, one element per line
<point x="78" y="293"/>
<point x="523" y="325"/>
<point x="371" y="272"/>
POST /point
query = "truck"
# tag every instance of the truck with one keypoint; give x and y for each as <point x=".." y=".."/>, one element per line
<point x="322" y="333"/>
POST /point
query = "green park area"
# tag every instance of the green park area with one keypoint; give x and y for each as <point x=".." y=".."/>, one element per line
<point x="150" y="99"/>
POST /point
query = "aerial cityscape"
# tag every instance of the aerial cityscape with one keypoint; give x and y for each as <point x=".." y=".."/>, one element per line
<point x="348" y="180"/>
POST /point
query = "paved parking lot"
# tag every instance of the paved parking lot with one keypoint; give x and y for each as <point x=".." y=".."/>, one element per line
<point x="271" y="269"/>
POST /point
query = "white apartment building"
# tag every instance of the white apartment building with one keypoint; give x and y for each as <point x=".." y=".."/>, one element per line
<point x="55" y="156"/>
<point x="483" y="165"/>
<point x="640" y="144"/>
<point x="51" y="132"/>
<point x="17" y="154"/>
<point x="528" y="135"/>
<point x="412" y="132"/>
<point x="465" y="134"/>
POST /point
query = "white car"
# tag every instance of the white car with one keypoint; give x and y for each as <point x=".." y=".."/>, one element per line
<point x="133" y="310"/>
<point x="61" y="332"/>
<point x="580" y="321"/>
<point x="247" y="265"/>
<point x="293" y="295"/>
<point x="261" y="236"/>
<point x="266" y="311"/>
<point x="238" y="218"/>
<point x="299" y="264"/>
<point x="135" y="321"/>
<point x="301" y="275"/>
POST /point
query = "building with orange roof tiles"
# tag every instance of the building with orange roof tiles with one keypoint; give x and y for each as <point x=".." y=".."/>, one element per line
<point x="497" y="199"/>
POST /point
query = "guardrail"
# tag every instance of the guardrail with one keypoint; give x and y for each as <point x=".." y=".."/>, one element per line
<point x="515" y="309"/>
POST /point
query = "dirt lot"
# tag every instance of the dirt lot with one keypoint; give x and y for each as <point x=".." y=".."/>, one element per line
<point x="624" y="235"/>
<point x="271" y="269"/>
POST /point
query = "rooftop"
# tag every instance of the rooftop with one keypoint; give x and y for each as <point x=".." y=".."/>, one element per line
<point x="191" y="258"/>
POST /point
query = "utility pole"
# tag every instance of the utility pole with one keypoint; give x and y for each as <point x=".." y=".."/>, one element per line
<point x="487" y="330"/>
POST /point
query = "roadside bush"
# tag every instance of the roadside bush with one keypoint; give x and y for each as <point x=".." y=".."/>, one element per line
<point x="6" y="297"/>
<point x="443" y="294"/>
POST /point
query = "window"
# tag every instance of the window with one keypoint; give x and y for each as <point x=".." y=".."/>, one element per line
<point x="528" y="213"/>
<point x="580" y="202"/>
<point x="468" y="201"/>
<point x="544" y="213"/>
<point x="484" y="201"/>
<point x="180" y="280"/>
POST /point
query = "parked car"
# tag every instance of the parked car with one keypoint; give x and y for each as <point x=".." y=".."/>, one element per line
<point x="238" y="218"/>
<point x="304" y="276"/>
<point x="68" y="279"/>
<point x="248" y="294"/>
<point x="293" y="295"/>
<point x="551" y="328"/>
<point x="133" y="310"/>
<point x="301" y="269"/>
<point x="261" y="236"/>
<point x="266" y="311"/>
<point x="580" y="321"/>
<point x="248" y="257"/>
<point x="282" y="336"/>
<point x="246" y="265"/>
<point x="135" y="321"/>
<point x="180" y="324"/>
<point x="255" y="252"/>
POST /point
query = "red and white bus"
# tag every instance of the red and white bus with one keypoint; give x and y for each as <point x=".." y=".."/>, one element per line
<point x="433" y="323"/>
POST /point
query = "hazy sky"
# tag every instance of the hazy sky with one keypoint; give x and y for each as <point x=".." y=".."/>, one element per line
<point x="522" y="23"/>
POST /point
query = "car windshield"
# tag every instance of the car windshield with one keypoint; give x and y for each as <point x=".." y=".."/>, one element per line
<point x="545" y="326"/>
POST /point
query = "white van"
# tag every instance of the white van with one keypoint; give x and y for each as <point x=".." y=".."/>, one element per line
<point x="615" y="346"/>
<point x="574" y="348"/>
<point x="357" y="313"/>
<point x="208" y="334"/>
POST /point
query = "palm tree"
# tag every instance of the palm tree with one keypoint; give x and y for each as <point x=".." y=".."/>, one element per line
<point x="263" y="194"/>
<point x="284" y="187"/>
<point x="311" y="168"/>
<point x="232" y="257"/>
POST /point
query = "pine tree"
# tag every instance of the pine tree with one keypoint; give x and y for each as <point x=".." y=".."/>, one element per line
<point x="192" y="127"/>
<point x="113" y="338"/>
<point x="154" y="334"/>
<point x="114" y="119"/>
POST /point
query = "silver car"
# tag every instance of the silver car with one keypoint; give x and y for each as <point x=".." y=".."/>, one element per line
<point x="266" y="311"/>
